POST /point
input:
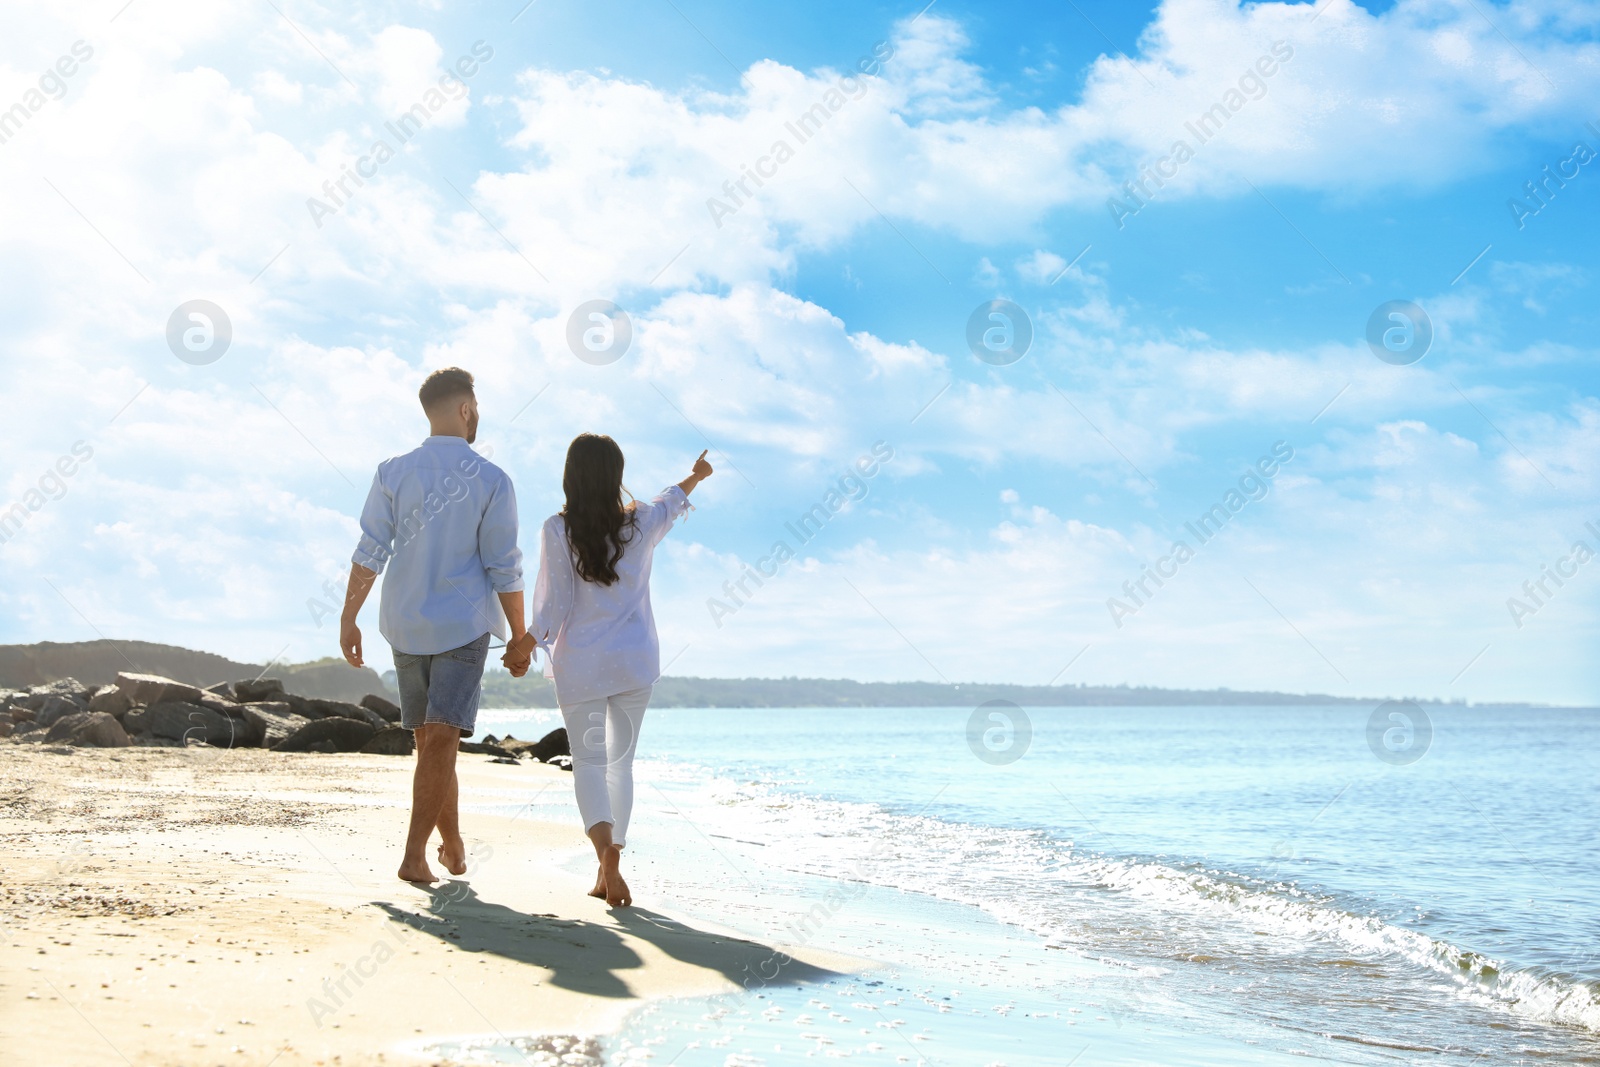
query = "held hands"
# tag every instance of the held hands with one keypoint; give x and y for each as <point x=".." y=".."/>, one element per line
<point x="519" y="655"/>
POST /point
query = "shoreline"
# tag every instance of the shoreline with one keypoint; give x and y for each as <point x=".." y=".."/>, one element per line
<point x="182" y="906"/>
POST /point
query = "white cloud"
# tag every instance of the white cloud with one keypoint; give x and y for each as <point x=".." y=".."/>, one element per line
<point x="1041" y="268"/>
<point x="207" y="517"/>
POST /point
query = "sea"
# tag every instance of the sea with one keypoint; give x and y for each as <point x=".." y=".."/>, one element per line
<point x="1398" y="884"/>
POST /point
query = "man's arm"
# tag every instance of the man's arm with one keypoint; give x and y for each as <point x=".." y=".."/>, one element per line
<point x="372" y="553"/>
<point x="355" y="595"/>
<point x="502" y="560"/>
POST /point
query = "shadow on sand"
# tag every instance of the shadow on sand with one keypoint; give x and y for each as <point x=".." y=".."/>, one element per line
<point x="589" y="957"/>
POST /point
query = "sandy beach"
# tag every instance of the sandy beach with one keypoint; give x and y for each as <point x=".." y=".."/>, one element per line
<point x="171" y="906"/>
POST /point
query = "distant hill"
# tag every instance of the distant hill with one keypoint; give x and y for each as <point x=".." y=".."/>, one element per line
<point x="500" y="690"/>
<point x="97" y="663"/>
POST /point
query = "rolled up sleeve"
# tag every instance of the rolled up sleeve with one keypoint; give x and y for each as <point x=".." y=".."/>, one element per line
<point x="497" y="540"/>
<point x="554" y="588"/>
<point x="667" y="508"/>
<point x="376" y="546"/>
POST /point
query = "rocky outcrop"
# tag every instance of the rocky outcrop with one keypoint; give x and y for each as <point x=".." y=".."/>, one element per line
<point x="486" y="748"/>
<point x="386" y="708"/>
<point x="334" y="734"/>
<point x="110" y="699"/>
<point x="256" y="690"/>
<point x="185" y="722"/>
<point x="156" y="711"/>
<point x="29" y="733"/>
<point x="551" y="745"/>
<point x="101" y="730"/>
<point x="96" y="663"/>
<point x="358" y="712"/>
<point x="391" y="741"/>
<point x="63" y="727"/>
<point x="154" y="689"/>
<point x="544" y="750"/>
<point x="52" y="709"/>
<point x="66" y="687"/>
<point x="94" y="729"/>
<point x="273" y="720"/>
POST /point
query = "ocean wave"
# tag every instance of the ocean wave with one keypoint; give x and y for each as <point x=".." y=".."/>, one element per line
<point x="1020" y="877"/>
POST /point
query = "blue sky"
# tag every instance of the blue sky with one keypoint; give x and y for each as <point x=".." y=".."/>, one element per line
<point x="829" y="311"/>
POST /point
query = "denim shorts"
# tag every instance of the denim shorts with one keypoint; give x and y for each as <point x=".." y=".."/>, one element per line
<point x="443" y="688"/>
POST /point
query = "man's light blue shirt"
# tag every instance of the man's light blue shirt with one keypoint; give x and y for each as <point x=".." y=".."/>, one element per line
<point x="442" y="521"/>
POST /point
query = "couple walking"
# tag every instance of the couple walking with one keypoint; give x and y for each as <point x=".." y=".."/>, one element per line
<point x="440" y="524"/>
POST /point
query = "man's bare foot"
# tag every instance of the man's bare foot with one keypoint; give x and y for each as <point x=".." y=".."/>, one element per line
<point x="417" y="872"/>
<point x="599" y="889"/>
<point x="454" y="859"/>
<point x="617" y="894"/>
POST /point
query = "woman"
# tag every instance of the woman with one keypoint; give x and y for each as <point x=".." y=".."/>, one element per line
<point x="591" y="614"/>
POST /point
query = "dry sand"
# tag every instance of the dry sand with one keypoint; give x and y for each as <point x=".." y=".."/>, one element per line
<point x="173" y="907"/>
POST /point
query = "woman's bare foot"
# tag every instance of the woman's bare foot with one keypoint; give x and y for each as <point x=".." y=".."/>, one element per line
<point x="454" y="859"/>
<point x="599" y="889"/>
<point x="617" y="894"/>
<point x="417" y="872"/>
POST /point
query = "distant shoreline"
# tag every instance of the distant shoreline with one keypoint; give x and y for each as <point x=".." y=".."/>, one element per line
<point x="501" y="691"/>
<point x="98" y="662"/>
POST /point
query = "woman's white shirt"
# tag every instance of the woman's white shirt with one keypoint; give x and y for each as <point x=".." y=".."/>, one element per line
<point x="601" y="639"/>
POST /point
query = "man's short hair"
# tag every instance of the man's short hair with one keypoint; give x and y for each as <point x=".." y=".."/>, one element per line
<point x="448" y="384"/>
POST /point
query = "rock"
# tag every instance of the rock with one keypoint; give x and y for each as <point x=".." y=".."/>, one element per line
<point x="221" y="689"/>
<point x="102" y="730"/>
<point x="148" y="741"/>
<point x="63" y="727"/>
<point x="66" y="687"/>
<point x="483" y="748"/>
<point x="29" y="733"/>
<point x="55" y="708"/>
<point x="391" y="741"/>
<point x="564" y="762"/>
<point x="246" y="733"/>
<point x="6" y="727"/>
<point x="272" y="720"/>
<point x="345" y="710"/>
<point x="388" y="709"/>
<point x="111" y="700"/>
<point x="184" y="722"/>
<point x="345" y="735"/>
<point x="220" y="705"/>
<point x="154" y="689"/>
<point x="258" y="690"/>
<point x="21" y="714"/>
<point x="38" y="701"/>
<point x="551" y="745"/>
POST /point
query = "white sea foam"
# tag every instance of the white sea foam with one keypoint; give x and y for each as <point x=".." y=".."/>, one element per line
<point x="1147" y="910"/>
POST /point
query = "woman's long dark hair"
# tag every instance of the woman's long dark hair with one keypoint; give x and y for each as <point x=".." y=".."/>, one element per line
<point x="599" y="524"/>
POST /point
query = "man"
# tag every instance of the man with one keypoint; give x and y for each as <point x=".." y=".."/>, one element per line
<point x="443" y="521"/>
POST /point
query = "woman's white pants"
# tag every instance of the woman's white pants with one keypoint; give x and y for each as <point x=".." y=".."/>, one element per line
<point x="603" y="734"/>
